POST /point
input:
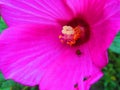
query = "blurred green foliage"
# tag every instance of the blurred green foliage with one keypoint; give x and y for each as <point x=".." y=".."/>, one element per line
<point x="115" y="47"/>
<point x="2" y="24"/>
<point x="110" y="80"/>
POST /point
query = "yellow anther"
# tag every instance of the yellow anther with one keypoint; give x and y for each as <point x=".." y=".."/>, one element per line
<point x="70" y="35"/>
<point x="68" y="30"/>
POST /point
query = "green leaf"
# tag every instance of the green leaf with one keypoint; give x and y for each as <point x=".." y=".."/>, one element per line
<point x="26" y="88"/>
<point x="2" y="25"/>
<point x="115" y="47"/>
<point x="35" y="88"/>
<point x="8" y="83"/>
<point x="8" y="88"/>
<point x="1" y="77"/>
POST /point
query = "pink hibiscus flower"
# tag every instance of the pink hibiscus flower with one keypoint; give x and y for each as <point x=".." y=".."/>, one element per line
<point x="58" y="45"/>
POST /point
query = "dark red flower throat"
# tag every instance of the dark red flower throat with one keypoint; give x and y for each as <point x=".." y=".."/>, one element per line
<point x="75" y="32"/>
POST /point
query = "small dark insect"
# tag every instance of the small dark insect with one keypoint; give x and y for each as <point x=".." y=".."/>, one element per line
<point x="76" y="85"/>
<point x="78" y="52"/>
<point x="85" y="78"/>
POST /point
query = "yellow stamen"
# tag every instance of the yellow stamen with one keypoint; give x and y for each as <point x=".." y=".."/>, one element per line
<point x="70" y="35"/>
<point x="68" y="30"/>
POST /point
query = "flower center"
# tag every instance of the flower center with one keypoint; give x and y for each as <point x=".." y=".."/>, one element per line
<point x="70" y="35"/>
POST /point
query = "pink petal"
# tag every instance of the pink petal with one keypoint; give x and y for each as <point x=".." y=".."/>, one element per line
<point x="111" y="13"/>
<point x="87" y="9"/>
<point x="35" y="11"/>
<point x="103" y="32"/>
<point x="25" y="54"/>
<point x="101" y="38"/>
<point x="99" y="58"/>
<point x="96" y="11"/>
<point x="32" y="54"/>
<point x="69" y="70"/>
<point x="97" y="74"/>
